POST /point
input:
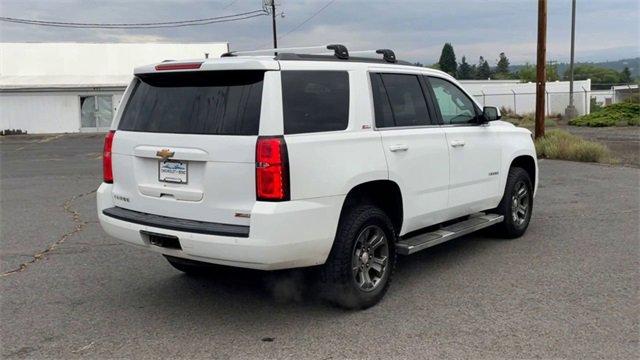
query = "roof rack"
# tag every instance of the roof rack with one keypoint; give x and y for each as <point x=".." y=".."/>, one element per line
<point x="387" y="54"/>
<point x="339" y="50"/>
<point x="320" y="53"/>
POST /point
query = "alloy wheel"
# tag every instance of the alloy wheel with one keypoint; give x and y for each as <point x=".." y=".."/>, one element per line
<point x="370" y="258"/>
<point x="520" y="203"/>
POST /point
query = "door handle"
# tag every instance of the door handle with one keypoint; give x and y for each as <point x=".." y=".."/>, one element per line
<point x="457" y="143"/>
<point x="398" y="147"/>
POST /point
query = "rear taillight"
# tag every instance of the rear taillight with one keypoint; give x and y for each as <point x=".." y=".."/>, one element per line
<point x="272" y="169"/>
<point x="107" y="169"/>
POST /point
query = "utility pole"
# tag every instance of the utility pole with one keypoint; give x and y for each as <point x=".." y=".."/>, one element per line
<point x="571" y="111"/>
<point x="541" y="77"/>
<point x="273" y="21"/>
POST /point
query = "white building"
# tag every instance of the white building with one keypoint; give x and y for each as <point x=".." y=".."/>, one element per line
<point x="520" y="97"/>
<point x="72" y="87"/>
<point x="615" y="94"/>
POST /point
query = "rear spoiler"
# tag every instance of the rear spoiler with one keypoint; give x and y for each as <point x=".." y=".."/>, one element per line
<point x="226" y="63"/>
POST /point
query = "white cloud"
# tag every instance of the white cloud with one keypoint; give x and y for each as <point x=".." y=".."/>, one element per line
<point x="415" y="29"/>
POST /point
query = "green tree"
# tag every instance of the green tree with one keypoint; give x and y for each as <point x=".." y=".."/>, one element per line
<point x="601" y="78"/>
<point x="528" y="72"/>
<point x="484" y="70"/>
<point x="552" y="71"/>
<point x="503" y="64"/>
<point x="465" y="70"/>
<point x="625" y="76"/>
<point x="447" y="60"/>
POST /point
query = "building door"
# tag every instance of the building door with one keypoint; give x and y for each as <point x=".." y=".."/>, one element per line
<point x="96" y="113"/>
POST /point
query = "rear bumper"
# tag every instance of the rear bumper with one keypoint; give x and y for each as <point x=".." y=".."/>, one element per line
<point x="281" y="234"/>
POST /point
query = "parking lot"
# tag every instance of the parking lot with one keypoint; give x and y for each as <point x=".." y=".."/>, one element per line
<point x="568" y="289"/>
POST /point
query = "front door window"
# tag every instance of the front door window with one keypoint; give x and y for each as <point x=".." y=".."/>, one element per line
<point x="455" y="106"/>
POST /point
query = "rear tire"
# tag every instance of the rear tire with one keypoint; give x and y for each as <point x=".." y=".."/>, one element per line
<point x="358" y="272"/>
<point x="516" y="205"/>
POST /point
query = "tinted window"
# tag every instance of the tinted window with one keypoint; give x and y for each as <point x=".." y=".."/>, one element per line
<point x="315" y="101"/>
<point x="381" y="106"/>
<point x="406" y="99"/>
<point x="213" y="102"/>
<point x="455" y="106"/>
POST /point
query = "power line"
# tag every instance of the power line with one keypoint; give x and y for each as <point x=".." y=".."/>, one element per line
<point x="308" y="19"/>
<point x="149" y="25"/>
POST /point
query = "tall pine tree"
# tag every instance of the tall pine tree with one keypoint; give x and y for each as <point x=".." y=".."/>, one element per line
<point x="464" y="70"/>
<point x="484" y="70"/>
<point x="625" y="76"/>
<point x="447" y="60"/>
<point x="503" y="65"/>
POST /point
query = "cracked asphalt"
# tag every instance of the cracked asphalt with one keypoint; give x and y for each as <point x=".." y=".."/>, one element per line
<point x="568" y="289"/>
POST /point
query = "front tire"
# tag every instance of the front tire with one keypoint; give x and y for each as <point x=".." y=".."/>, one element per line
<point x="358" y="272"/>
<point x="516" y="205"/>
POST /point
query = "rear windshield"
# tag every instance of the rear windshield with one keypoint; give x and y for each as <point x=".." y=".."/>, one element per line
<point x="202" y="102"/>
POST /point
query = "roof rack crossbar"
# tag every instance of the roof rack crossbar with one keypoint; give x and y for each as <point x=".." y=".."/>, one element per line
<point x="339" y="51"/>
<point x="387" y="54"/>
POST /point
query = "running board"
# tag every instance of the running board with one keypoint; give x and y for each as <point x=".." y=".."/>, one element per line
<point x="427" y="240"/>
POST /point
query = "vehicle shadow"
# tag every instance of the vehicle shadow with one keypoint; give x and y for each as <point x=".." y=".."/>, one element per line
<point x="234" y="289"/>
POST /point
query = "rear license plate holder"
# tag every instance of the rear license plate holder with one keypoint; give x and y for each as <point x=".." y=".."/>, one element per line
<point x="173" y="171"/>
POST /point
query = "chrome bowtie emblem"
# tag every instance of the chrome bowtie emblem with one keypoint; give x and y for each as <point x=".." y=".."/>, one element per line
<point x="165" y="153"/>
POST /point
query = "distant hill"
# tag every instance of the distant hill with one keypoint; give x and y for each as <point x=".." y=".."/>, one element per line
<point x="617" y="65"/>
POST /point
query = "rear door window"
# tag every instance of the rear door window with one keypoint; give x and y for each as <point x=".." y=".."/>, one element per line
<point x="202" y="102"/>
<point x="399" y="101"/>
<point x="315" y="101"/>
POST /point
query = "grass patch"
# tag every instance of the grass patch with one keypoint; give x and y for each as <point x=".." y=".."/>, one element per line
<point x="620" y="114"/>
<point x="561" y="145"/>
<point x="528" y="121"/>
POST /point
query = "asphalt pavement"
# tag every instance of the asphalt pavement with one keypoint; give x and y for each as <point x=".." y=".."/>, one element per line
<point x="569" y="288"/>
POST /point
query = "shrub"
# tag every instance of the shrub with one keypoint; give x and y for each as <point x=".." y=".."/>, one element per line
<point x="595" y="106"/>
<point x="561" y="145"/>
<point x="620" y="114"/>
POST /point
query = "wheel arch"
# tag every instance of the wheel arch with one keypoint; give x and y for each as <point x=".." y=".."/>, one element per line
<point x="383" y="193"/>
<point x="528" y="163"/>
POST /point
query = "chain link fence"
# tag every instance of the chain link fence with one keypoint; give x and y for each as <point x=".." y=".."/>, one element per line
<point x="525" y="102"/>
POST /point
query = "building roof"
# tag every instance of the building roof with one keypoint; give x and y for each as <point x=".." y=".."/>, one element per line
<point x="82" y="65"/>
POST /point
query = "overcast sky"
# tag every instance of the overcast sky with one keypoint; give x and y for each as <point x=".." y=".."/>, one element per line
<point x="416" y="30"/>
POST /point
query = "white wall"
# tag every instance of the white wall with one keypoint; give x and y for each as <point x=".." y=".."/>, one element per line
<point x="93" y="59"/>
<point x="40" y="83"/>
<point x="520" y="97"/>
<point x="44" y="112"/>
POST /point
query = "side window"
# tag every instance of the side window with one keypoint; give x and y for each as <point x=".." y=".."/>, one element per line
<point x="405" y="98"/>
<point x="315" y="101"/>
<point x="381" y="106"/>
<point x="455" y="106"/>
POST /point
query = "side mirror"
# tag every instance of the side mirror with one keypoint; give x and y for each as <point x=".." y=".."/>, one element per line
<point x="491" y="113"/>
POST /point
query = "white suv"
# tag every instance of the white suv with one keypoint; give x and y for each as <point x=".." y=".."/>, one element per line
<point x="297" y="160"/>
